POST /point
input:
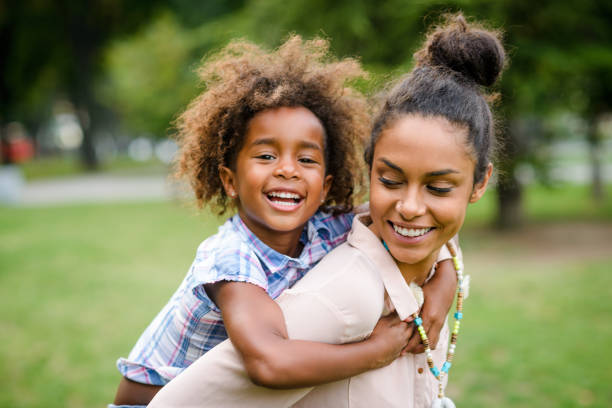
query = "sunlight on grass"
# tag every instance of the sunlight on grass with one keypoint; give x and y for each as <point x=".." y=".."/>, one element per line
<point x="70" y="165"/>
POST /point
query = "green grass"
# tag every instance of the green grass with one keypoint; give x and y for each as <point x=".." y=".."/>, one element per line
<point x="78" y="284"/>
<point x="536" y="337"/>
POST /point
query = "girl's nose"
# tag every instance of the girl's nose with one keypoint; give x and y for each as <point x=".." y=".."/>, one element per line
<point x="410" y="205"/>
<point x="286" y="168"/>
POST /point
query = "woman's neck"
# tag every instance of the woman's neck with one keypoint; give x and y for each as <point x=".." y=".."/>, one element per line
<point x="416" y="273"/>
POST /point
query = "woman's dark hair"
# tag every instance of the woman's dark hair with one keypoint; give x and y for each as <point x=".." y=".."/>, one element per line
<point x="457" y="60"/>
<point x="242" y="80"/>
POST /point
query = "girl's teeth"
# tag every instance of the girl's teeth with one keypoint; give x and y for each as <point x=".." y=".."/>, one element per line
<point x="284" y="195"/>
<point x="284" y="203"/>
<point x="410" y="232"/>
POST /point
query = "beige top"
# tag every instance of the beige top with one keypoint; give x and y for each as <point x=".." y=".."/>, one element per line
<point x="338" y="301"/>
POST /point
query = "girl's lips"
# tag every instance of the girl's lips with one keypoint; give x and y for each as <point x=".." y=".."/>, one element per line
<point x="284" y="200"/>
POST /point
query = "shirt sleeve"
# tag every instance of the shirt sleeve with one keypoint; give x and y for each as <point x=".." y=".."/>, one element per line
<point x="235" y="263"/>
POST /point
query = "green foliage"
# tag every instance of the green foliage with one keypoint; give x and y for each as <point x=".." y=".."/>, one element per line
<point x="151" y="75"/>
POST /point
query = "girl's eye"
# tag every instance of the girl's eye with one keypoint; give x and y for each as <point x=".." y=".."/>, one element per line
<point x="440" y="190"/>
<point x="265" y="157"/>
<point x="308" y="160"/>
<point x="389" y="183"/>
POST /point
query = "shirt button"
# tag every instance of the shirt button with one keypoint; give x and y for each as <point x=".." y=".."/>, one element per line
<point x="420" y="370"/>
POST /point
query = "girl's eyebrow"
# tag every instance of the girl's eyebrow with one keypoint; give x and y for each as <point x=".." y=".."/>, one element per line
<point x="310" y="145"/>
<point x="264" y="141"/>
<point x="273" y="141"/>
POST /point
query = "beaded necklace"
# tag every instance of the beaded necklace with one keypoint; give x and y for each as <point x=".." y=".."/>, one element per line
<point x="462" y="287"/>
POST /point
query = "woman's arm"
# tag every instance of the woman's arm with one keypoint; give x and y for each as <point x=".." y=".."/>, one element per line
<point x="256" y="327"/>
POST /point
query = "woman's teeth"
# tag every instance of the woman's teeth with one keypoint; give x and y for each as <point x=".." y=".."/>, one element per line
<point x="411" y="232"/>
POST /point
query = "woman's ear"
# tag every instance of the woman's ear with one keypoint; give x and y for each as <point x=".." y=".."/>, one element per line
<point x="480" y="188"/>
<point x="229" y="181"/>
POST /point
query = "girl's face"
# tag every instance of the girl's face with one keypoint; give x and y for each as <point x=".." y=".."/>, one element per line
<point x="279" y="177"/>
<point x="420" y="185"/>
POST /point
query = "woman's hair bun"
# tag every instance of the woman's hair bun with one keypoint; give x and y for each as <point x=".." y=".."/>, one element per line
<point x="472" y="51"/>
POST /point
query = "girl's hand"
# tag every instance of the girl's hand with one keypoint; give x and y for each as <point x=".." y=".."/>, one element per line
<point x="391" y="336"/>
<point x="439" y="293"/>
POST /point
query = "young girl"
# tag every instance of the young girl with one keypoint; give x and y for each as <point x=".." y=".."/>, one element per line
<point x="273" y="135"/>
<point x="429" y="157"/>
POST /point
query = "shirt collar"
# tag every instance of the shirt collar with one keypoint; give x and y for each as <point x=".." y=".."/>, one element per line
<point x="362" y="238"/>
<point x="272" y="259"/>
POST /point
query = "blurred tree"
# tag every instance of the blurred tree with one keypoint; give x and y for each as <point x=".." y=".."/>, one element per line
<point x="150" y="76"/>
<point x="53" y="47"/>
<point x="561" y="59"/>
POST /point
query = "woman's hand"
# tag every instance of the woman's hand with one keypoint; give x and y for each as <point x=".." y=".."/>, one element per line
<point x="439" y="293"/>
<point x="391" y="335"/>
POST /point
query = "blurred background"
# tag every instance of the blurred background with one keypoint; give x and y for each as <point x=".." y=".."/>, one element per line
<point x="94" y="237"/>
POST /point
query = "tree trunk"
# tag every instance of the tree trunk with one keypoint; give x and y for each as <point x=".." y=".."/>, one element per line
<point x="509" y="200"/>
<point x="594" y="139"/>
<point x="509" y="189"/>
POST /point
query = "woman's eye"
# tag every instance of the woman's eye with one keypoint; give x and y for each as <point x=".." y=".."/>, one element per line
<point x="440" y="190"/>
<point x="389" y="183"/>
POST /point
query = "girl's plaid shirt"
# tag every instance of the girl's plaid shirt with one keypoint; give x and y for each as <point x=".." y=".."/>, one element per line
<point x="190" y="324"/>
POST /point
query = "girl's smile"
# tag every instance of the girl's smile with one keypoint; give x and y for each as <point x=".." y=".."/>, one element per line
<point x="279" y="177"/>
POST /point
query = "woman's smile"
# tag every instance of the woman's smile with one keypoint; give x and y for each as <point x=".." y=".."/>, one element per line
<point x="421" y="183"/>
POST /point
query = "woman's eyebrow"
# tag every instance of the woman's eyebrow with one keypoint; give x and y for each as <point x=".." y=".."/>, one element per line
<point x="441" y="172"/>
<point x="392" y="165"/>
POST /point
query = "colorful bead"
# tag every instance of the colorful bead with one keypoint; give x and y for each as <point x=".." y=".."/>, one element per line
<point x="418" y="321"/>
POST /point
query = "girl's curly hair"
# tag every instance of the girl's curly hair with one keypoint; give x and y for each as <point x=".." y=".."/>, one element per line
<point x="242" y="80"/>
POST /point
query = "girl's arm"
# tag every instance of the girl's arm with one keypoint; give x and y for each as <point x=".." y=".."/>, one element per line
<point x="439" y="293"/>
<point x="256" y="327"/>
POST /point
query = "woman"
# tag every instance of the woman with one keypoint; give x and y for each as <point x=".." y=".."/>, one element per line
<point x="429" y="157"/>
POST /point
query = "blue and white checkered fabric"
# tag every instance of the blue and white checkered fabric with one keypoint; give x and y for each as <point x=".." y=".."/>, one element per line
<point x="190" y="324"/>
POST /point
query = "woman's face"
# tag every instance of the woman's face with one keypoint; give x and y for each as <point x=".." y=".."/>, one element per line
<point x="421" y="182"/>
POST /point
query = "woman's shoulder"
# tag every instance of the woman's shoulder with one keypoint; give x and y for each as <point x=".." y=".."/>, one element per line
<point x="340" y="300"/>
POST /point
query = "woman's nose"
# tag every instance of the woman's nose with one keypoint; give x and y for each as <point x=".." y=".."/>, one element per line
<point x="410" y="204"/>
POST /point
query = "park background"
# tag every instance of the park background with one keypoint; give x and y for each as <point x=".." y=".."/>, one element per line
<point x="94" y="238"/>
